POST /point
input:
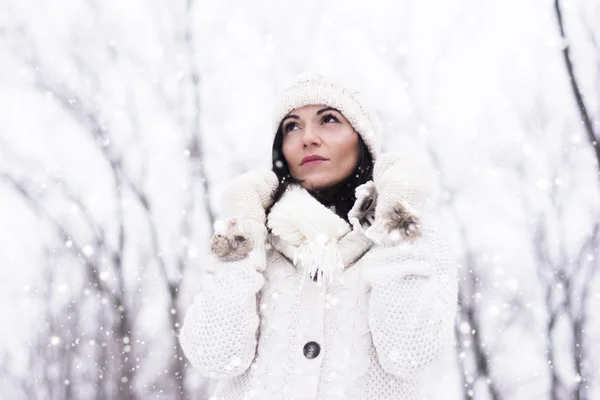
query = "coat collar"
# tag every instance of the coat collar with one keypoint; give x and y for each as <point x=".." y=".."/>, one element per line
<point x="321" y="243"/>
<point x="316" y="239"/>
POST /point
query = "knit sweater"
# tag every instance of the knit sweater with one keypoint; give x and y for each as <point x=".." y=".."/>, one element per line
<point x="267" y="331"/>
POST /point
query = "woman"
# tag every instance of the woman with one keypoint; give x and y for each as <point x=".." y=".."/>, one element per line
<point x="328" y="280"/>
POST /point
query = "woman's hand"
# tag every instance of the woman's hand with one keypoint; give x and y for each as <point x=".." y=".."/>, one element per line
<point x="236" y="241"/>
<point x="249" y="195"/>
<point x="244" y="202"/>
<point x="403" y="184"/>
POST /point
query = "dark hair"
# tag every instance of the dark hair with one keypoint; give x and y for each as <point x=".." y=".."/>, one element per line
<point x="341" y="195"/>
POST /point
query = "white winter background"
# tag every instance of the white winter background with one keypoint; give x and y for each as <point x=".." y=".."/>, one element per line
<point x="121" y="122"/>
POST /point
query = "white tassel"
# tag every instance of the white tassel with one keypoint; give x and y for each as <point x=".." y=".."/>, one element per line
<point x="320" y="262"/>
<point x="299" y="219"/>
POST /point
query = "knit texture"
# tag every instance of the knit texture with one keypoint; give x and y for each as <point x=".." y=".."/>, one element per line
<point x="404" y="177"/>
<point x="403" y="184"/>
<point x="379" y="323"/>
<point x="249" y="194"/>
<point x="216" y="337"/>
<point x="311" y="88"/>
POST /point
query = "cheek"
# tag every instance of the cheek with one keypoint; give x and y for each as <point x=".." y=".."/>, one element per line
<point x="348" y="149"/>
<point x="289" y="153"/>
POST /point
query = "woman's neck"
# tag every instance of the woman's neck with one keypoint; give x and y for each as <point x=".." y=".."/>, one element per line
<point x="328" y="196"/>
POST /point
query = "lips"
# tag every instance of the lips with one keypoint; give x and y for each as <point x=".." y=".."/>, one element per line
<point x="312" y="158"/>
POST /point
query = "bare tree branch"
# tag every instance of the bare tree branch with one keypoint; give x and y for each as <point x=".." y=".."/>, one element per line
<point x="575" y="87"/>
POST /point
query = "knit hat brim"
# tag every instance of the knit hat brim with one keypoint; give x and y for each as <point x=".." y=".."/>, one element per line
<point x="314" y="88"/>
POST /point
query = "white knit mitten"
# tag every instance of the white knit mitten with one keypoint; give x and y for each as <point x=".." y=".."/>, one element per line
<point x="248" y="195"/>
<point x="244" y="202"/>
<point x="404" y="185"/>
<point x="236" y="239"/>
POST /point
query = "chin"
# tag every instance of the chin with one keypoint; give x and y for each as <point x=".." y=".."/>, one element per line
<point x="317" y="184"/>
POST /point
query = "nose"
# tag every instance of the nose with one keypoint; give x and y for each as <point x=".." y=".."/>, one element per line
<point x="310" y="137"/>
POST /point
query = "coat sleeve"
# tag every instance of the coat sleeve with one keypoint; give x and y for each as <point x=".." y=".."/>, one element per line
<point x="412" y="302"/>
<point x="220" y="328"/>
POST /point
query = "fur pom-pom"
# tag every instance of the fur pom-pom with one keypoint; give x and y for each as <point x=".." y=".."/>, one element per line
<point x="407" y="222"/>
<point x="232" y="245"/>
<point x="401" y="224"/>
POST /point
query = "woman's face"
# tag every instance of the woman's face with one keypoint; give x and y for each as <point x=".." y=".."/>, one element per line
<point x="321" y="131"/>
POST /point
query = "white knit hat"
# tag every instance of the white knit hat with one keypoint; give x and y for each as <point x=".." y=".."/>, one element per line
<point x="310" y="88"/>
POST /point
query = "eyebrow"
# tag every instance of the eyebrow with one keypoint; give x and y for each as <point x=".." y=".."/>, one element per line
<point x="322" y="110"/>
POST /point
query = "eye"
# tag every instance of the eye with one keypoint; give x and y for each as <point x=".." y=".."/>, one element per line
<point x="289" y="127"/>
<point x="329" y="118"/>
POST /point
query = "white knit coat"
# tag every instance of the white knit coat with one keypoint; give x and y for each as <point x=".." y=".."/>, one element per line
<point x="388" y="313"/>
